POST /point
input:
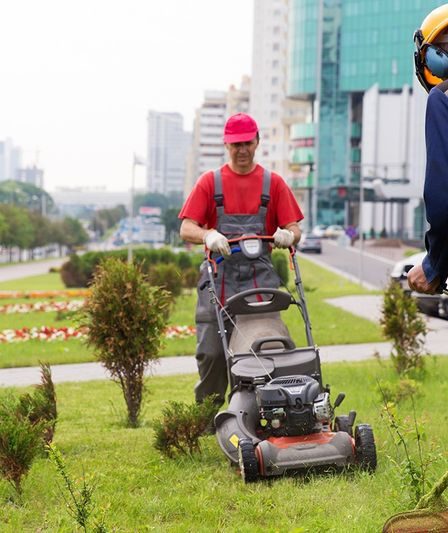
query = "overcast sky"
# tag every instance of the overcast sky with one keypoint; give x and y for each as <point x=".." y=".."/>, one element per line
<point x="78" y="77"/>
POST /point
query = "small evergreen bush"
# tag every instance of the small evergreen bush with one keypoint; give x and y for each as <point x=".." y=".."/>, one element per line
<point x="181" y="426"/>
<point x="20" y="441"/>
<point x="125" y="317"/>
<point x="403" y="325"/>
<point x="41" y="405"/>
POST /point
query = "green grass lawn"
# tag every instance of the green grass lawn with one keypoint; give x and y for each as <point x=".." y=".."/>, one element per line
<point x="50" y="281"/>
<point x="140" y="490"/>
<point x="330" y="324"/>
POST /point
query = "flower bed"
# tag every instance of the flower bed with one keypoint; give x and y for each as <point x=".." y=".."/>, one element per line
<point x="70" y="293"/>
<point x="46" y="307"/>
<point x="52" y="334"/>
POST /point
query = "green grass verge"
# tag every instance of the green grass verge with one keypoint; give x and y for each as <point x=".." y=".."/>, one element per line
<point x="43" y="282"/>
<point x="140" y="490"/>
<point x="330" y="324"/>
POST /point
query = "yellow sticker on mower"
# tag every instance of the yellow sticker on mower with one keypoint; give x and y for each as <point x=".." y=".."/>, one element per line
<point x="234" y="440"/>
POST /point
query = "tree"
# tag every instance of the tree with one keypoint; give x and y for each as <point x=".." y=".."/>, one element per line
<point x="20" y="231"/>
<point x="172" y="224"/>
<point x="26" y="195"/>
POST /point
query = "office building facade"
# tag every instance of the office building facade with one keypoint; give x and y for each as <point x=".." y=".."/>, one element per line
<point x="167" y="148"/>
<point x="351" y="61"/>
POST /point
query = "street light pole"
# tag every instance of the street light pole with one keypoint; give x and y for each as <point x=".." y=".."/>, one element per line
<point x="361" y="232"/>
<point x="135" y="161"/>
<point x="131" y="212"/>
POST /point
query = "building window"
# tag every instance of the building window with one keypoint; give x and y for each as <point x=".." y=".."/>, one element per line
<point x="274" y="98"/>
<point x="275" y="63"/>
<point x="276" y="47"/>
<point x="276" y="30"/>
<point x="274" y="80"/>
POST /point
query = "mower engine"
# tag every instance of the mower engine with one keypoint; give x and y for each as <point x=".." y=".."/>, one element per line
<point x="291" y="406"/>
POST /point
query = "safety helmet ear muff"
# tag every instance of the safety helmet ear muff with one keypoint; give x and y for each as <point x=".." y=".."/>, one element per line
<point x="431" y="62"/>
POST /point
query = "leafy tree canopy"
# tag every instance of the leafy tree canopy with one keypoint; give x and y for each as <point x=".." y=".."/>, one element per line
<point x="26" y="195"/>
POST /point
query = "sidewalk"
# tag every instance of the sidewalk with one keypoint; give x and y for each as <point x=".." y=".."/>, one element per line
<point x="14" y="377"/>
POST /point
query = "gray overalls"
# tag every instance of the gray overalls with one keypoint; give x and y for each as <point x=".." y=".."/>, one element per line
<point x="235" y="274"/>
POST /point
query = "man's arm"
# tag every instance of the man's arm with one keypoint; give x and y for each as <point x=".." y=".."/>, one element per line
<point x="191" y="231"/>
<point x="295" y="228"/>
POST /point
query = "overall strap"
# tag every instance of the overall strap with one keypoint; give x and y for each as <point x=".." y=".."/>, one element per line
<point x="265" y="197"/>
<point x="219" y="197"/>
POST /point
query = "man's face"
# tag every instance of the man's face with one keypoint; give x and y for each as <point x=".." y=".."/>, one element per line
<point x="242" y="155"/>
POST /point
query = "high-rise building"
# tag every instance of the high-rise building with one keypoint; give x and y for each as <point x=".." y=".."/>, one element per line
<point x="238" y="98"/>
<point x="167" y="148"/>
<point x="31" y="174"/>
<point x="351" y="60"/>
<point x="207" y="149"/>
<point x="10" y="160"/>
<point x="268" y="87"/>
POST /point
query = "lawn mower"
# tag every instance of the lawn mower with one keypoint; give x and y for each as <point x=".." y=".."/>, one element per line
<point x="279" y="418"/>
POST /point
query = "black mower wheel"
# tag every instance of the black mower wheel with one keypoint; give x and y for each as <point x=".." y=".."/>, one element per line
<point x="342" y="423"/>
<point x="247" y="461"/>
<point x="365" y="448"/>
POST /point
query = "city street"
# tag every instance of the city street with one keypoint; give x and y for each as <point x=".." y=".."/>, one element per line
<point x="26" y="270"/>
<point x="372" y="268"/>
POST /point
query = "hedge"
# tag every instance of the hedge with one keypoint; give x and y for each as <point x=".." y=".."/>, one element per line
<point x="79" y="270"/>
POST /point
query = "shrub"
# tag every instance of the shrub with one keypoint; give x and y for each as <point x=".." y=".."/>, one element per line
<point x="281" y="266"/>
<point x="182" y="425"/>
<point x="126" y="318"/>
<point x="403" y="325"/>
<point x="20" y="442"/>
<point x="166" y="276"/>
<point x="190" y="278"/>
<point x="73" y="273"/>
<point x="41" y="405"/>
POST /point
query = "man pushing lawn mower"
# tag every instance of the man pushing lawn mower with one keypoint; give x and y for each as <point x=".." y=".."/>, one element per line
<point x="279" y="419"/>
<point x="239" y="198"/>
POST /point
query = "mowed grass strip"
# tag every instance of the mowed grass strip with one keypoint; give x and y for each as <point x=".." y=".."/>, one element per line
<point x="138" y="489"/>
<point x="330" y="324"/>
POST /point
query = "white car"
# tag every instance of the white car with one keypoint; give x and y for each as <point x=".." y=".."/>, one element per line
<point x="334" y="231"/>
<point x="431" y="304"/>
<point x="319" y="230"/>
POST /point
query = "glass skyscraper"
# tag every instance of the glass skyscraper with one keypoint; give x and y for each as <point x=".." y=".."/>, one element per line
<point x="338" y="50"/>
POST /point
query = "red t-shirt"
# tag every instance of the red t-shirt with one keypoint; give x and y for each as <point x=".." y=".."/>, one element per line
<point x="242" y="196"/>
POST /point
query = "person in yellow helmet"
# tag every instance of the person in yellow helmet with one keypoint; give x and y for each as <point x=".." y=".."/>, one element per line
<point x="431" y="63"/>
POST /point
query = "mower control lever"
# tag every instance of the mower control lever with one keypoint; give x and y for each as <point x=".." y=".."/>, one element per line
<point x="351" y="418"/>
<point x="339" y="399"/>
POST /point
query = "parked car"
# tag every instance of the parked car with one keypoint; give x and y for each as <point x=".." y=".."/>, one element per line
<point x="310" y="243"/>
<point x="318" y="230"/>
<point x="334" y="231"/>
<point x="430" y="304"/>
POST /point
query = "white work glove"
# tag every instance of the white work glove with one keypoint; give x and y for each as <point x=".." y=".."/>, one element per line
<point x="283" y="238"/>
<point x="216" y="242"/>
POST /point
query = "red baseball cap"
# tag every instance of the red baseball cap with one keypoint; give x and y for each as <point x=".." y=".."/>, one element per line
<point x="240" y="128"/>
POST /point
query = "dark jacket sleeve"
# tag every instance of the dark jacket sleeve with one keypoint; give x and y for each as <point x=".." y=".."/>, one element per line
<point x="436" y="184"/>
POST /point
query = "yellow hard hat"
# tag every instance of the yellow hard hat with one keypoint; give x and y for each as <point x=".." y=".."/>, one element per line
<point x="431" y="61"/>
